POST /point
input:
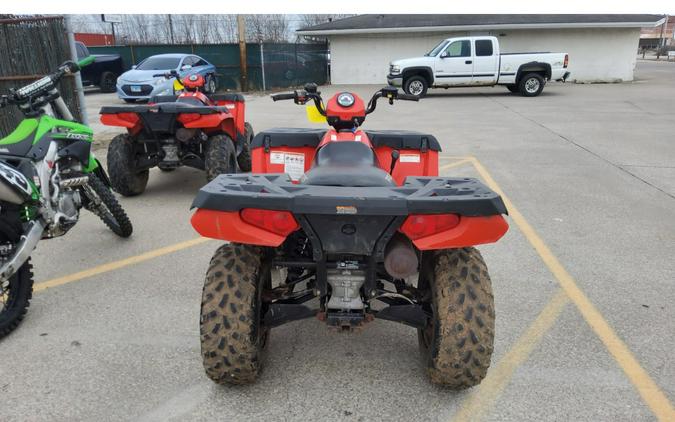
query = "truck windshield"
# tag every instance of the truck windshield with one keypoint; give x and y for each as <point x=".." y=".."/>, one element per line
<point x="439" y="47"/>
<point x="159" y="63"/>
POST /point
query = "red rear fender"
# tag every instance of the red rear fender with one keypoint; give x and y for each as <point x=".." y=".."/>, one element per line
<point x="228" y="225"/>
<point x="470" y="231"/>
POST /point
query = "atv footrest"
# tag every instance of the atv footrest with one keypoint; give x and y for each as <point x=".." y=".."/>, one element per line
<point x="412" y="315"/>
<point x="281" y="313"/>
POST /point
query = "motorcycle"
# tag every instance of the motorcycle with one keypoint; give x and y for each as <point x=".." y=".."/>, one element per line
<point x="358" y="221"/>
<point x="47" y="174"/>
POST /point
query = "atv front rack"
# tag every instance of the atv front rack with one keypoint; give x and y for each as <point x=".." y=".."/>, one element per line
<point x="418" y="195"/>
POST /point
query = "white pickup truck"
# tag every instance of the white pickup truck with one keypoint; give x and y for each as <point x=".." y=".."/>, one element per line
<point x="476" y="61"/>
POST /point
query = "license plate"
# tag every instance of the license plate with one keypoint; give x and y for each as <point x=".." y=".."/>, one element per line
<point x="135" y="88"/>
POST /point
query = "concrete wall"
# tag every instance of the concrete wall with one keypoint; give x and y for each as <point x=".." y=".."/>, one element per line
<point x="596" y="55"/>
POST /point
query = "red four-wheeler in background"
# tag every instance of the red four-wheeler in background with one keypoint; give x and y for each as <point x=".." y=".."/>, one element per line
<point x="207" y="132"/>
<point x="357" y="223"/>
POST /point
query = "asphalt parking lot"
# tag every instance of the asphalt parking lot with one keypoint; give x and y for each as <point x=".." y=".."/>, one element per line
<point x="583" y="282"/>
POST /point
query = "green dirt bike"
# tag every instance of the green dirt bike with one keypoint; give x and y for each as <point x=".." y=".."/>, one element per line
<point x="47" y="174"/>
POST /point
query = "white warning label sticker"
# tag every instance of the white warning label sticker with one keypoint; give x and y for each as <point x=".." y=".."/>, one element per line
<point x="294" y="164"/>
<point x="409" y="158"/>
<point x="277" y="158"/>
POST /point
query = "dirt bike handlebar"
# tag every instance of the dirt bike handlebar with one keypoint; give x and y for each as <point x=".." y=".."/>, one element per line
<point x="45" y="83"/>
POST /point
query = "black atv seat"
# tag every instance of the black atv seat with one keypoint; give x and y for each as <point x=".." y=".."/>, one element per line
<point x="212" y="97"/>
<point x="346" y="163"/>
<point x="164" y="108"/>
<point x="396" y="139"/>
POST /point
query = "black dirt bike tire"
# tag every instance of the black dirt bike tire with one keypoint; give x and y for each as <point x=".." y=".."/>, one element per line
<point x="21" y="283"/>
<point x="116" y="219"/>
<point x="457" y="343"/>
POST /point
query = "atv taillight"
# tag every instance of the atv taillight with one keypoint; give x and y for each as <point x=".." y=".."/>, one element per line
<point x="417" y="226"/>
<point x="280" y="222"/>
<point x="128" y="117"/>
<point x="188" y="117"/>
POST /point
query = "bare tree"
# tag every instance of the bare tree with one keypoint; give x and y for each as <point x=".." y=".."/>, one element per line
<point x="267" y="28"/>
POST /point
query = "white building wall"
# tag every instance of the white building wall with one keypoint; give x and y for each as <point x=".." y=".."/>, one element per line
<point x="596" y="55"/>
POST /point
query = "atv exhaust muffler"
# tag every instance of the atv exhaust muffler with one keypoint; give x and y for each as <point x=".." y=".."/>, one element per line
<point x="400" y="258"/>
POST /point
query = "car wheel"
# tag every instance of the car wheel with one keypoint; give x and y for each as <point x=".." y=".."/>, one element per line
<point x="211" y="85"/>
<point x="416" y="85"/>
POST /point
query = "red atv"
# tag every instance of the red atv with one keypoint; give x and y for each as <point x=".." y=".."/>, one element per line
<point x="192" y="129"/>
<point x="358" y="223"/>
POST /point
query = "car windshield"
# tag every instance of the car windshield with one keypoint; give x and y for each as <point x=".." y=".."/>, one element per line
<point x="159" y="63"/>
<point x="434" y="51"/>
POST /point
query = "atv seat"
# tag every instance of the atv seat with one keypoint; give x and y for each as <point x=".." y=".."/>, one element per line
<point x="346" y="163"/>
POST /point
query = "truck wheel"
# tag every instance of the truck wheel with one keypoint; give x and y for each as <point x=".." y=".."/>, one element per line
<point x="531" y="85"/>
<point x="230" y="329"/>
<point x="416" y="85"/>
<point x="512" y="88"/>
<point x="220" y="156"/>
<point x="457" y="342"/>
<point x="124" y="177"/>
<point x="244" y="158"/>
<point x="108" y="82"/>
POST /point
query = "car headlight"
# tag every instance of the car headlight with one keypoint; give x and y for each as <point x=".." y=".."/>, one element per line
<point x="394" y="69"/>
<point x="159" y="81"/>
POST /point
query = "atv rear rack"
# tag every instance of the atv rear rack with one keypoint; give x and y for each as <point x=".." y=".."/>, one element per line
<point x="418" y="195"/>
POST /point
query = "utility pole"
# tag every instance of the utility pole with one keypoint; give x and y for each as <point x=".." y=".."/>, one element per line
<point x="243" y="68"/>
<point x="112" y="25"/>
<point x="663" y="27"/>
<point x="171" y="29"/>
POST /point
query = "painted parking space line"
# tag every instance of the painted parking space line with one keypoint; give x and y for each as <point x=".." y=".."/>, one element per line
<point x="454" y="164"/>
<point x="652" y="395"/>
<point x="498" y="377"/>
<point x="116" y="265"/>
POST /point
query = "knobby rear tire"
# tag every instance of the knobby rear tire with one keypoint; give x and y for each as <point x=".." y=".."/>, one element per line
<point x="244" y="158"/>
<point x="220" y="157"/>
<point x="231" y="332"/>
<point x="124" y="177"/>
<point x="457" y="343"/>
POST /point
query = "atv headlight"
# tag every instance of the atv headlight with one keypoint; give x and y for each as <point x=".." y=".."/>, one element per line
<point x="394" y="69"/>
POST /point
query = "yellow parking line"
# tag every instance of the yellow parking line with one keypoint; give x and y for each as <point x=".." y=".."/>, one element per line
<point x="481" y="398"/>
<point x="455" y="164"/>
<point x="645" y="385"/>
<point x="116" y="265"/>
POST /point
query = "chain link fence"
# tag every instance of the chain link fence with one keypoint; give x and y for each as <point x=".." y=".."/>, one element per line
<point x="31" y="48"/>
<point x="270" y="65"/>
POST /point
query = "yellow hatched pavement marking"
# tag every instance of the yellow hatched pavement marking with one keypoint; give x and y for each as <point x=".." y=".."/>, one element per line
<point x="481" y="398"/>
<point x="645" y="385"/>
<point x="116" y="265"/>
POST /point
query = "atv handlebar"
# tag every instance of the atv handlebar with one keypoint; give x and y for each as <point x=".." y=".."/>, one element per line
<point x="310" y="93"/>
<point x="285" y="96"/>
